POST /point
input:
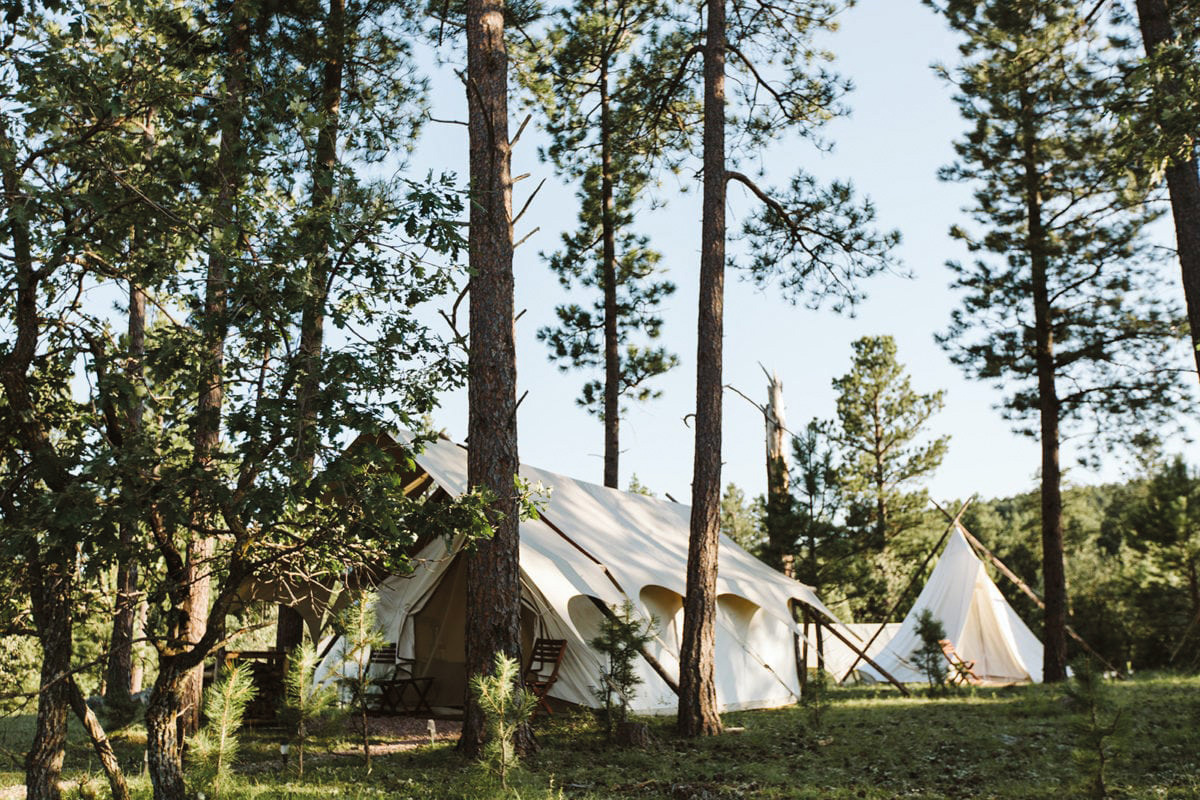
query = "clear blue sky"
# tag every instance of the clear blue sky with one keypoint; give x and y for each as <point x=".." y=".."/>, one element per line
<point x="900" y="132"/>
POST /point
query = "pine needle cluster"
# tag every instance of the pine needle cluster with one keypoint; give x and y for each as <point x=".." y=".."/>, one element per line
<point x="506" y="708"/>
<point x="622" y="638"/>
<point x="215" y="747"/>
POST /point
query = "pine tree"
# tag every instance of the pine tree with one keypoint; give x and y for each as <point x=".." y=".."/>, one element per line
<point x="815" y="241"/>
<point x="742" y="518"/>
<point x="493" y="571"/>
<point x="1164" y="88"/>
<point x="881" y="430"/>
<point x="306" y="702"/>
<point x="593" y="78"/>
<point x="360" y="635"/>
<point x="1062" y="305"/>
<point x="817" y="503"/>
<point x="216" y="746"/>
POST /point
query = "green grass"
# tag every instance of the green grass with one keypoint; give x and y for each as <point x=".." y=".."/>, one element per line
<point x="996" y="743"/>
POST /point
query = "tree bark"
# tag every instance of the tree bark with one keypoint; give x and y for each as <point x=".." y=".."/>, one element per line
<point x="100" y="743"/>
<point x="289" y="631"/>
<point x="697" y="714"/>
<point x="1054" y="640"/>
<point x="324" y="175"/>
<point x="1183" y="181"/>
<point x="119" y="673"/>
<point x="50" y="597"/>
<point x="779" y="500"/>
<point x="612" y="352"/>
<point x="228" y="177"/>
<point x="493" y="582"/>
<point x="164" y="746"/>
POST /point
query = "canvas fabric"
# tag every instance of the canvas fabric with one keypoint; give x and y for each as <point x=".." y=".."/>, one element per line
<point x="978" y="620"/>
<point x="594" y="542"/>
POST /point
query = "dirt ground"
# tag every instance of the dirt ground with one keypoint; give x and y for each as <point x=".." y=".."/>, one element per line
<point x="406" y="733"/>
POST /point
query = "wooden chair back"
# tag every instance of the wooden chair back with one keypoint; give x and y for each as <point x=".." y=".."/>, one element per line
<point x="544" y="661"/>
<point x="963" y="671"/>
<point x="385" y="654"/>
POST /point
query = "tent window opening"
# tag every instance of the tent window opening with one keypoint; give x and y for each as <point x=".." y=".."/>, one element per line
<point x="667" y="608"/>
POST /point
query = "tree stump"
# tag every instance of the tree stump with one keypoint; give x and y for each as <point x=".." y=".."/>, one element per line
<point x="633" y="734"/>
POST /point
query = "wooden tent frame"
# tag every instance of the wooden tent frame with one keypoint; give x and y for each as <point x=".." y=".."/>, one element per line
<point x="988" y="555"/>
<point x="912" y="582"/>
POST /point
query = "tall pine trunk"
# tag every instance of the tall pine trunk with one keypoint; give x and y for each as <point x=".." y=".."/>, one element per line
<point x="1054" y="652"/>
<point x="119" y="672"/>
<point x="697" y="685"/>
<point x="612" y="353"/>
<point x="493" y="581"/>
<point x="1183" y="180"/>
<point x="289" y="631"/>
<point x="228" y="177"/>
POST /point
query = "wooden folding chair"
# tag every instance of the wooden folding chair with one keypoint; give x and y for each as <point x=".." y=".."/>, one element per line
<point x="962" y="671"/>
<point x="394" y="689"/>
<point x="542" y="672"/>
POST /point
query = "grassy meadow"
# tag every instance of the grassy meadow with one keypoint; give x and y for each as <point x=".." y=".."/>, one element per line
<point x="1016" y="742"/>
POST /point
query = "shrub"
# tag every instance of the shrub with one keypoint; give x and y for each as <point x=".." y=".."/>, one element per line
<point x="622" y="638"/>
<point x="215" y="746"/>
<point x="929" y="657"/>
<point x="505" y="708"/>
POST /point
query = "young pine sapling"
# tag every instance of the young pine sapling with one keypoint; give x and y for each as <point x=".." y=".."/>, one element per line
<point x="621" y="640"/>
<point x="360" y="635"/>
<point x="215" y="747"/>
<point x="506" y="709"/>
<point x="306" y="703"/>
<point x="929" y="657"/>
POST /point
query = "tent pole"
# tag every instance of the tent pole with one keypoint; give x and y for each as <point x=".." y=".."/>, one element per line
<point x="882" y="625"/>
<point x="1030" y="593"/>
<point x="1182" y="639"/>
<point x="818" y="615"/>
<point x="820" y="647"/>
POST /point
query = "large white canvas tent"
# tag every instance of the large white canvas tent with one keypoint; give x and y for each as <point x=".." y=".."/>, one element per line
<point x="591" y="544"/>
<point x="978" y="621"/>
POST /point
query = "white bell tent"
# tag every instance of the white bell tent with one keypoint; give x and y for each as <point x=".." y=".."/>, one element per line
<point x="979" y="623"/>
<point x="591" y="544"/>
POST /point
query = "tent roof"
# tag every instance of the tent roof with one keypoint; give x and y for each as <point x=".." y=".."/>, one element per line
<point x="977" y="619"/>
<point x="639" y="541"/>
